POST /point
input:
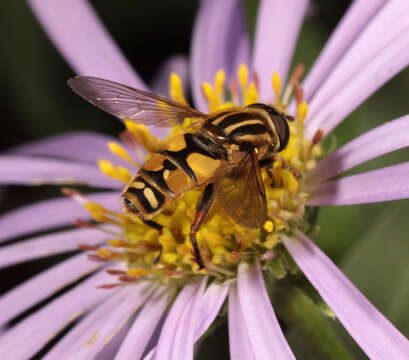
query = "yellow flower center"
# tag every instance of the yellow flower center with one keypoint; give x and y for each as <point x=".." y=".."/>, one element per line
<point x="167" y="255"/>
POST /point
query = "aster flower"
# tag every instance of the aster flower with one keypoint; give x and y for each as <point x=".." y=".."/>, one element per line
<point x="152" y="291"/>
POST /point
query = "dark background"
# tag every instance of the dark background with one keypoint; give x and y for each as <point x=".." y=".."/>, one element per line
<point x="369" y="242"/>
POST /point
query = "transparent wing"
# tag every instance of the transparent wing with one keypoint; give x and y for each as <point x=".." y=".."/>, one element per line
<point x="131" y="104"/>
<point x="241" y="193"/>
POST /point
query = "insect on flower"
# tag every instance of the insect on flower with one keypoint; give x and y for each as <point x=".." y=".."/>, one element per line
<point x="221" y="153"/>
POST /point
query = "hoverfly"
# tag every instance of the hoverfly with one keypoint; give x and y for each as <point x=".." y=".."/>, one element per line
<point x="221" y="153"/>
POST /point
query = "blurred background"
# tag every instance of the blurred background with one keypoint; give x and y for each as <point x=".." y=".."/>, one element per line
<point x="370" y="243"/>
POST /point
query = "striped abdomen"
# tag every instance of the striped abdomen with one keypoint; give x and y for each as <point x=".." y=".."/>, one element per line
<point x="187" y="161"/>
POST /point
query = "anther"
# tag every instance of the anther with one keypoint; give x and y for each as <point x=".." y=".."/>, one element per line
<point x="87" y="247"/>
<point x="115" y="272"/>
<point x="74" y="194"/>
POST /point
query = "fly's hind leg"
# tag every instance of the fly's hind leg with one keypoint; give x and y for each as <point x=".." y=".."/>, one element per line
<point x="202" y="209"/>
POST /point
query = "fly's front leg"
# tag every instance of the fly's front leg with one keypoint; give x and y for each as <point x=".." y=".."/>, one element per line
<point x="156" y="226"/>
<point x="269" y="161"/>
<point x="202" y="209"/>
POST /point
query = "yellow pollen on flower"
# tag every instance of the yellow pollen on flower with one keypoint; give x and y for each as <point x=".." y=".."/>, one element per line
<point x="277" y="87"/>
<point x="210" y="96"/>
<point x="302" y="110"/>
<point x="176" y="89"/>
<point x="268" y="226"/>
<point x="144" y="137"/>
<point x="118" y="173"/>
<point x="243" y="75"/>
<point x="137" y="272"/>
<point x="119" y="151"/>
<point x="219" y="80"/>
<point x="251" y="95"/>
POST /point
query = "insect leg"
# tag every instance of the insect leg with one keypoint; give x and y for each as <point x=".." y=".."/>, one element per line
<point x="152" y="224"/>
<point x="269" y="161"/>
<point x="156" y="226"/>
<point x="202" y="209"/>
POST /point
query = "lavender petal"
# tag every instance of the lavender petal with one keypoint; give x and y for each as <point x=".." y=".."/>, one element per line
<point x="386" y="138"/>
<point x="239" y="341"/>
<point x="143" y="327"/>
<point x="36" y="332"/>
<point x="91" y="334"/>
<point x="77" y="32"/>
<point x="211" y="302"/>
<point x="80" y="146"/>
<point x="218" y="42"/>
<point x="367" y="68"/>
<point x="49" y="214"/>
<point x="48" y="245"/>
<point x="177" y="64"/>
<point x="358" y="15"/>
<point x="377" y="337"/>
<point x="278" y="25"/>
<point x="389" y="183"/>
<point x="38" y="171"/>
<point x="43" y="285"/>
<point x="263" y="329"/>
<point x="176" y="338"/>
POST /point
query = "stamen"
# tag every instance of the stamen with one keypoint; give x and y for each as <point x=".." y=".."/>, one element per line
<point x="219" y="81"/>
<point x="143" y="136"/>
<point x="74" y="194"/>
<point x="119" y="151"/>
<point x="234" y="91"/>
<point x="210" y="96"/>
<point x="251" y="95"/>
<point x="137" y="272"/>
<point x="176" y="89"/>
<point x="243" y="76"/>
<point x="87" y="247"/>
<point x="293" y="83"/>
<point x="256" y="80"/>
<point x="277" y="87"/>
<point x="115" y="272"/>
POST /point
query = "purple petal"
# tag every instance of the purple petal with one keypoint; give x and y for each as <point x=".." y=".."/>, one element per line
<point x="142" y="329"/>
<point x="91" y="334"/>
<point x="278" y="25"/>
<point x="79" y="146"/>
<point x="211" y="302"/>
<point x="218" y="42"/>
<point x="391" y="136"/>
<point x="79" y="35"/>
<point x="353" y="22"/>
<point x="49" y="214"/>
<point x="43" y="285"/>
<point x="239" y="342"/>
<point x="38" y="171"/>
<point x="38" y="328"/>
<point x="175" y="64"/>
<point x="261" y="324"/>
<point x="379" y="53"/>
<point x="377" y="337"/>
<point x="176" y="338"/>
<point x="51" y="244"/>
<point x="389" y="183"/>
